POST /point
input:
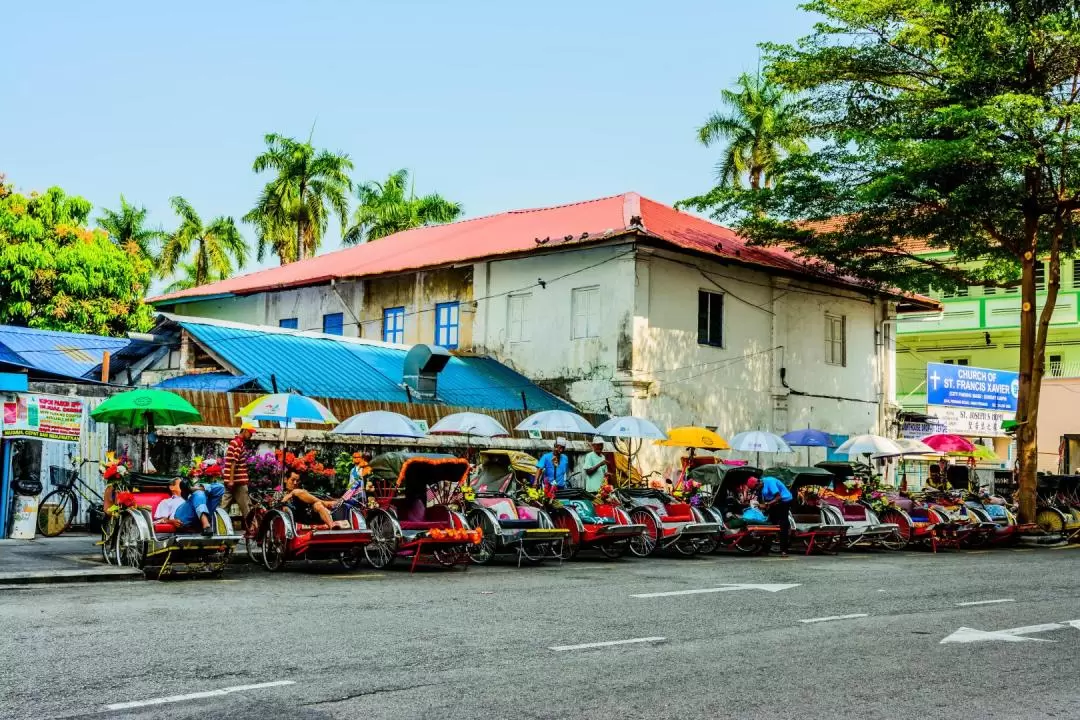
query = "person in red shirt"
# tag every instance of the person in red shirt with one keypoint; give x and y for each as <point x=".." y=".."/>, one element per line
<point x="236" y="473"/>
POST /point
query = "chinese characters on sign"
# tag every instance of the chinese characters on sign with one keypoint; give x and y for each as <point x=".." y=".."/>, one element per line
<point x="43" y="417"/>
<point x="972" y="423"/>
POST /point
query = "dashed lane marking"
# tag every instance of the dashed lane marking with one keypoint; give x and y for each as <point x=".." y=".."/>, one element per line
<point x="830" y="618"/>
<point x="985" y="602"/>
<point x="608" y="643"/>
<point x="196" y="696"/>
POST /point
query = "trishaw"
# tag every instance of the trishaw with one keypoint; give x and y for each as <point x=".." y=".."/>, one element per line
<point x="669" y="523"/>
<point x="725" y="506"/>
<point x="277" y="533"/>
<point x="509" y="526"/>
<point x="960" y="526"/>
<point x="918" y="523"/>
<point x="822" y="497"/>
<point x="413" y="517"/>
<point x="1058" y="509"/>
<point x="593" y="523"/>
<point x="158" y="549"/>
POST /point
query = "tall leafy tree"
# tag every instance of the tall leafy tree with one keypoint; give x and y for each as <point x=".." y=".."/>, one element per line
<point x="392" y="206"/>
<point x="127" y="228"/>
<point x="185" y="277"/>
<point x="951" y="121"/>
<point x="58" y="274"/>
<point x="758" y="126"/>
<point x="212" y="248"/>
<point x="293" y="211"/>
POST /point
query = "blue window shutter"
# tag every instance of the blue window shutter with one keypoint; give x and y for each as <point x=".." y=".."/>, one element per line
<point x="333" y="324"/>
<point x="288" y="323"/>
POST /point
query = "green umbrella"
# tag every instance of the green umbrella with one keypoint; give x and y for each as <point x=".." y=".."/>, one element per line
<point x="132" y="409"/>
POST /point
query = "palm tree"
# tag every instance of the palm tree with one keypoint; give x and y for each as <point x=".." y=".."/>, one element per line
<point x="127" y="228"/>
<point x="760" y="124"/>
<point x="213" y="247"/>
<point x="185" y="278"/>
<point x="292" y="212"/>
<point x="385" y="209"/>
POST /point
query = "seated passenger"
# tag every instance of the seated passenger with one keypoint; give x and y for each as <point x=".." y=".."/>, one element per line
<point x="197" y="508"/>
<point x="167" y="507"/>
<point x="303" y="503"/>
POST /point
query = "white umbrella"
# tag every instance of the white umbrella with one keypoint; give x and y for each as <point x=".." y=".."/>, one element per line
<point x="556" y="421"/>
<point x="469" y="423"/>
<point x="759" y="441"/>
<point x="631" y="427"/>
<point x="380" y="423"/>
<point x="868" y="445"/>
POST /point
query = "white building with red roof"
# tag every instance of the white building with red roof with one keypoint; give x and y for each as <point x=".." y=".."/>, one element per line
<point x="620" y="305"/>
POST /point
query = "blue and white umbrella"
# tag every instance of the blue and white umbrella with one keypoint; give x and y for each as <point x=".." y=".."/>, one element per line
<point x="287" y="408"/>
<point x="629" y="426"/>
<point x="380" y="423"/>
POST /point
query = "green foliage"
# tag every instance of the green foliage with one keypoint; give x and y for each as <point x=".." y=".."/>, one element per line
<point x="57" y="274"/>
<point x="293" y="211"/>
<point x="392" y="206"/>
<point x="212" y="248"/>
<point x="127" y="228"/>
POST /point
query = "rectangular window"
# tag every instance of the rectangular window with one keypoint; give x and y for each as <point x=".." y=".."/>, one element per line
<point x="956" y="361"/>
<point x="1055" y="365"/>
<point x="393" y="325"/>
<point x="836" y="339"/>
<point x="517" y="318"/>
<point x="1076" y="274"/>
<point x="333" y="324"/>
<point x="710" y="318"/>
<point x="288" y="323"/>
<point x="585" y="309"/>
<point x="446" y="325"/>
<point x="989" y="290"/>
<point x="1040" y="276"/>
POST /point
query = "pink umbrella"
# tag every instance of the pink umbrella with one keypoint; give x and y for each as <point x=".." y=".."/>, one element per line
<point x="946" y="443"/>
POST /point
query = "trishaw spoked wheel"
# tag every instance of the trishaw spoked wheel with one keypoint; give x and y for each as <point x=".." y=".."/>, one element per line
<point x="274" y="539"/>
<point x="108" y="540"/>
<point x="447" y="557"/>
<point x="614" y="550"/>
<point x="482" y="552"/>
<point x="686" y="548"/>
<point x="382" y="549"/>
<point x="252" y="532"/>
<point x="350" y="559"/>
<point x="644" y="544"/>
<point x="707" y="546"/>
<point x="750" y="545"/>
<point x="130" y="544"/>
<point x="254" y="549"/>
<point x="894" y="540"/>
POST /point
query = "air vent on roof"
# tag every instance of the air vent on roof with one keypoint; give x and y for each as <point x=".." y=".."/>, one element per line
<point x="422" y="366"/>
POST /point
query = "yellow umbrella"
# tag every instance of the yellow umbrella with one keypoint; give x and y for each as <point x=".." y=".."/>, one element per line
<point x="981" y="452"/>
<point x="694" y="437"/>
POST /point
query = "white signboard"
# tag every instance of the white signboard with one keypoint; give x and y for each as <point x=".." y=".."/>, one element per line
<point x="971" y="422"/>
<point x="917" y="430"/>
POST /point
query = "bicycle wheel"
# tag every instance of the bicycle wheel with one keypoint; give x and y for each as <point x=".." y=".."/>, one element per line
<point x="69" y="508"/>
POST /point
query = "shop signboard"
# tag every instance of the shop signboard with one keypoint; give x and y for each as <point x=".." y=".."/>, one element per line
<point x="970" y="422"/>
<point x="961" y="386"/>
<point x="43" y="417"/>
<point x="918" y="430"/>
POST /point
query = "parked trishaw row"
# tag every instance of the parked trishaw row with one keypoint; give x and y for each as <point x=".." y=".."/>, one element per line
<point x="441" y="510"/>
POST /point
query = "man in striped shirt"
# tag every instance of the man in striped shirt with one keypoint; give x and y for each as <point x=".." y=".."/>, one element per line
<point x="236" y="474"/>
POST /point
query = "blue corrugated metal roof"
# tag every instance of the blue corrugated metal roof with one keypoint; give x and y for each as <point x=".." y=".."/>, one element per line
<point x="330" y="367"/>
<point x="213" y="381"/>
<point x="57" y="353"/>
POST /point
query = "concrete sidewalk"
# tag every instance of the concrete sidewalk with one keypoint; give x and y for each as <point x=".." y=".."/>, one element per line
<point x="72" y="557"/>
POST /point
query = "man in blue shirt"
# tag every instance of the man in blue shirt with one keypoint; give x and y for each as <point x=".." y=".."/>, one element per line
<point x="776" y="502"/>
<point x="553" y="467"/>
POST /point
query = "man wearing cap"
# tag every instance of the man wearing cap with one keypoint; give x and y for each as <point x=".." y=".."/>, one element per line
<point x="553" y="466"/>
<point x="776" y="502"/>
<point x="236" y="472"/>
<point x="595" y="465"/>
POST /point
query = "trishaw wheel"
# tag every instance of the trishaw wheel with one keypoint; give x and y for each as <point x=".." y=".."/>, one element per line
<point x="108" y="539"/>
<point x="536" y="552"/>
<point x="904" y="529"/>
<point x="614" y="550"/>
<point x="686" y="548"/>
<point x="274" y="541"/>
<point x="485" y="550"/>
<point x="382" y="549"/>
<point x="707" y="546"/>
<point x="750" y="545"/>
<point x="1050" y="521"/>
<point x="447" y="556"/>
<point x="644" y="544"/>
<point x="130" y="544"/>
<point x="894" y="540"/>
<point x="252" y="533"/>
<point x="350" y="559"/>
<point x="571" y="544"/>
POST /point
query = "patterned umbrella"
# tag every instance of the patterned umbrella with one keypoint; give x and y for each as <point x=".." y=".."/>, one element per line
<point x="287" y="408"/>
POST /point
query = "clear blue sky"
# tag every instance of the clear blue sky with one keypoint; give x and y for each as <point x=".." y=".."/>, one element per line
<point x="498" y="105"/>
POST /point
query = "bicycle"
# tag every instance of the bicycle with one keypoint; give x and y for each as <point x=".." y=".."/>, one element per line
<point x="69" y="488"/>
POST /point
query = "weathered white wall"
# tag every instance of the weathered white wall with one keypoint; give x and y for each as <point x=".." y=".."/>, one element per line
<point x="306" y="304"/>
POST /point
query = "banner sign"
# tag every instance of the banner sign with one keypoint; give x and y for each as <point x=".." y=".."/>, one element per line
<point x="918" y="430"/>
<point x="43" y="417"/>
<point x="971" y="387"/>
<point x="972" y="423"/>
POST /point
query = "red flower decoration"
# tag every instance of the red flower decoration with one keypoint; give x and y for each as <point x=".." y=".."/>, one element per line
<point x="125" y="499"/>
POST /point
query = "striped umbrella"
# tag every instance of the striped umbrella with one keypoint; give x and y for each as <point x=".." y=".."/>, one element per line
<point x="287" y="408"/>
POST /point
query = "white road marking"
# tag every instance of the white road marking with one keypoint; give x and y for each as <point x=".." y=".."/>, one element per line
<point x="835" y="617"/>
<point x="971" y="635"/>
<point x="195" y="696"/>
<point x="727" y="588"/>
<point x="609" y="643"/>
<point x="984" y="602"/>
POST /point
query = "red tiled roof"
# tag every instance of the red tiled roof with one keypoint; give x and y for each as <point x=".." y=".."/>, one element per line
<point x="507" y="233"/>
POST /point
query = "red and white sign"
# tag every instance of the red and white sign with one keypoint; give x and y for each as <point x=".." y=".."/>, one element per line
<point x="43" y="417"/>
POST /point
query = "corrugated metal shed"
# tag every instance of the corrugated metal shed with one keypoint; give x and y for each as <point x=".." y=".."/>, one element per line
<point x="212" y="381"/>
<point x="351" y="368"/>
<point x="62" y="354"/>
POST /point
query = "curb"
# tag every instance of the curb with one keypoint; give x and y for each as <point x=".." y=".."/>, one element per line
<point x="70" y="576"/>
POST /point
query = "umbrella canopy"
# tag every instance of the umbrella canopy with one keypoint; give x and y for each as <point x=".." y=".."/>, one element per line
<point x="981" y="452"/>
<point x="556" y="421"/>
<point x="690" y="436"/>
<point x="946" y="443"/>
<point x="380" y="423"/>
<point x="469" y="423"/>
<point x="809" y="437"/>
<point x="868" y="445"/>
<point x="132" y="409"/>
<point x="286" y="408"/>
<point x="759" y="441"/>
<point x="629" y="426"/>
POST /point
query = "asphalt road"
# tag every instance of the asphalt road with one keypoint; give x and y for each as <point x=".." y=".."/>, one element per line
<point x="478" y="643"/>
